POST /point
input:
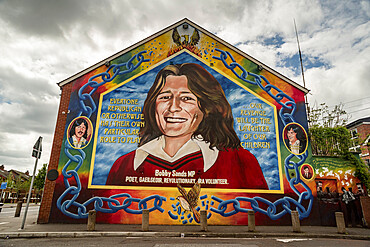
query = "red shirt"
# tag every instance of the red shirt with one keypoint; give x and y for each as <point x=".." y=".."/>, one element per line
<point x="233" y="169"/>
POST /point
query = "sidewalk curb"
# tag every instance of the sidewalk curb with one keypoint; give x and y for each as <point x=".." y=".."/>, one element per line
<point x="15" y="205"/>
<point x="7" y="235"/>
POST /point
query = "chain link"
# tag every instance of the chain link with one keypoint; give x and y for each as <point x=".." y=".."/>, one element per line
<point x="289" y="105"/>
<point x="115" y="69"/>
<point x="286" y="113"/>
<point x="98" y="202"/>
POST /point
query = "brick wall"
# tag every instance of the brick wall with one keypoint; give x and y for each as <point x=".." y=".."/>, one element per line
<point x="55" y="153"/>
<point x="363" y="130"/>
<point x="365" y="205"/>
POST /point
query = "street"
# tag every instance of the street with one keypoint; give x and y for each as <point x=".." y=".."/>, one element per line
<point x="10" y="223"/>
<point x="181" y="242"/>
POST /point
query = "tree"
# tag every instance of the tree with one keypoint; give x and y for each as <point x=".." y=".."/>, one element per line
<point x="330" y="141"/>
<point x="329" y="136"/>
<point x="10" y="180"/>
<point x="18" y="185"/>
<point x="24" y="185"/>
<point x="40" y="177"/>
<point x="321" y="116"/>
<point x="327" y="130"/>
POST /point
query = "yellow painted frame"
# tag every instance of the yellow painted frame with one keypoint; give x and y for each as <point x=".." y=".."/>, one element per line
<point x="91" y="186"/>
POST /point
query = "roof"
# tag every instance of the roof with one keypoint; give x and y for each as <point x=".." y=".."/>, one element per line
<point x="358" y="122"/>
<point x="181" y="22"/>
<point x="4" y="173"/>
<point x="17" y="174"/>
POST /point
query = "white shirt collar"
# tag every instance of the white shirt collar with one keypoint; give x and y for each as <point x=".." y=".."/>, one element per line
<point x="295" y="143"/>
<point x="155" y="148"/>
<point x="78" y="144"/>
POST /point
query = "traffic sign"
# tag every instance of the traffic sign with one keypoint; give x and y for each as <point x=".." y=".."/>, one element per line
<point x="37" y="148"/>
<point x="3" y="185"/>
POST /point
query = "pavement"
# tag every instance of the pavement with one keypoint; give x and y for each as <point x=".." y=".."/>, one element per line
<point x="10" y="228"/>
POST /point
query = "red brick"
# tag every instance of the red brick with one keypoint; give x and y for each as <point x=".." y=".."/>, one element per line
<point x="46" y="203"/>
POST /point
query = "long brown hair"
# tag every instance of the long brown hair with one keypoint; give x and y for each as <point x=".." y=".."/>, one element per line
<point x="217" y="125"/>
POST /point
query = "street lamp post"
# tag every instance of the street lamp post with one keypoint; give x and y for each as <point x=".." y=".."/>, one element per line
<point x="37" y="148"/>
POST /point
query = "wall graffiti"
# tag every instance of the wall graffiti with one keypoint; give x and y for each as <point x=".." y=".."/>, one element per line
<point x="198" y="122"/>
<point x="183" y="123"/>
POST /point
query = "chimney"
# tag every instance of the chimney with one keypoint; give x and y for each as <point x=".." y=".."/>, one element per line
<point x="27" y="173"/>
<point x="2" y="167"/>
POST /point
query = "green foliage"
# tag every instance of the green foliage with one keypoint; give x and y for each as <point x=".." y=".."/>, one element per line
<point x="330" y="141"/>
<point x="18" y="184"/>
<point x="362" y="171"/>
<point x="330" y="137"/>
<point x="24" y="185"/>
<point x="10" y="180"/>
<point x="40" y="178"/>
<point x="321" y="116"/>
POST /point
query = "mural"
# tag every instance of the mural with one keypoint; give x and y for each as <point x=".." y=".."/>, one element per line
<point x="295" y="138"/>
<point x="334" y="177"/>
<point x="79" y="132"/>
<point x="184" y="122"/>
<point x="184" y="132"/>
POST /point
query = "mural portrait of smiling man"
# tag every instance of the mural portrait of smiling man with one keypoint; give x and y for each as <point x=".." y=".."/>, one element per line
<point x="189" y="127"/>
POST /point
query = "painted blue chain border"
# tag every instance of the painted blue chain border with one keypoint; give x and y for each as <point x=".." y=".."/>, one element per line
<point x="286" y="114"/>
<point x="112" y="202"/>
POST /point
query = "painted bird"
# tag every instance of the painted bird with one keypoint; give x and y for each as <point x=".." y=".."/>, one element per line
<point x="194" y="39"/>
<point x="189" y="200"/>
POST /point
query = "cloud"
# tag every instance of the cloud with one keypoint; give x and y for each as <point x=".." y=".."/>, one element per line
<point x="45" y="41"/>
<point x="26" y="104"/>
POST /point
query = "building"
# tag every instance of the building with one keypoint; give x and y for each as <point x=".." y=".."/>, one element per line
<point x="3" y="174"/>
<point x="15" y="175"/>
<point x="14" y="192"/>
<point x="360" y="136"/>
<point x="238" y="129"/>
<point x="22" y="176"/>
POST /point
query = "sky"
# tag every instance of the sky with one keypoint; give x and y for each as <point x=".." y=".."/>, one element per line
<point x="46" y="41"/>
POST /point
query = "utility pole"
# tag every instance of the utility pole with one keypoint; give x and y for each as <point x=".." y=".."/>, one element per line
<point x="37" y="148"/>
<point x="304" y="81"/>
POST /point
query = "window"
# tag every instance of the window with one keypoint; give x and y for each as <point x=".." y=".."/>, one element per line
<point x="355" y="147"/>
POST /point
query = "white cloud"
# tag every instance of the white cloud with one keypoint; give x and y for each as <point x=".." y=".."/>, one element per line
<point x="45" y="41"/>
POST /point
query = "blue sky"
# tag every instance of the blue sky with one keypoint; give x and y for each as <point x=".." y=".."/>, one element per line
<point x="46" y="41"/>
